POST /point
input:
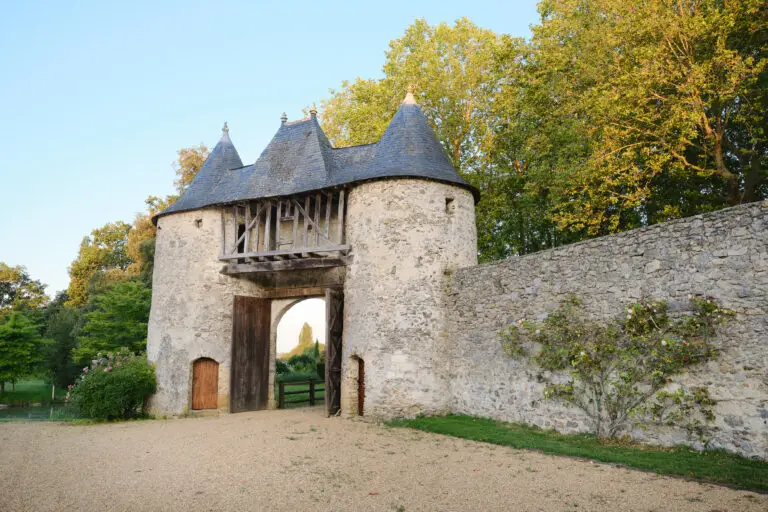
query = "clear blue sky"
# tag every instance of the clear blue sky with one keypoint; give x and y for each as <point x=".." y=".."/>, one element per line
<point x="96" y="97"/>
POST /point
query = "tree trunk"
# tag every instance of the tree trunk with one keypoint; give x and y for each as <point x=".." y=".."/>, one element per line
<point x="2" y="387"/>
<point x="752" y="176"/>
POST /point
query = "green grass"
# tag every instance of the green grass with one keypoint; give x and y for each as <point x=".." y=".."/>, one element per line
<point x="30" y="391"/>
<point x="712" y="466"/>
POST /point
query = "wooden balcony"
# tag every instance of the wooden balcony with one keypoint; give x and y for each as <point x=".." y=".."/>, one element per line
<point x="291" y="233"/>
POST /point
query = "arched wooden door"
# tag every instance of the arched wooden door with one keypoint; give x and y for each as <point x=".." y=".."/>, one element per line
<point x="205" y="384"/>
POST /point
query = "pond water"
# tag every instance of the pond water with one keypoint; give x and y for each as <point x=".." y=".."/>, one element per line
<point x="46" y="412"/>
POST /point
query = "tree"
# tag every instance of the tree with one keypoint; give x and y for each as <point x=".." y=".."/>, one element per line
<point x="140" y="245"/>
<point x="118" y="319"/>
<point x="62" y="325"/>
<point x="20" y="348"/>
<point x="188" y="164"/>
<point x="618" y="372"/>
<point x="19" y="291"/>
<point x="456" y="74"/>
<point x="639" y="113"/>
<point x="101" y="261"/>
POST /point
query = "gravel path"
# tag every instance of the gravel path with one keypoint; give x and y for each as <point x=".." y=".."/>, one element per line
<point x="299" y="460"/>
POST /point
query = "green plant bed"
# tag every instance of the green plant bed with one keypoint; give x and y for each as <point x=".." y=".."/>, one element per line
<point x="30" y="391"/>
<point x="711" y="466"/>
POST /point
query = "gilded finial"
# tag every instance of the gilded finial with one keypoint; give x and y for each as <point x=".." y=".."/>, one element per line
<point x="225" y="128"/>
<point x="410" y="88"/>
<point x="313" y="110"/>
<point x="284" y="118"/>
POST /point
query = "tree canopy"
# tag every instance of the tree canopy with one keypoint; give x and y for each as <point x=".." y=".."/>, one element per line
<point x="614" y="115"/>
<point x="18" y="290"/>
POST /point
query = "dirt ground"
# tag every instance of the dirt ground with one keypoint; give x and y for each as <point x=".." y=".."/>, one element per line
<point x="299" y="460"/>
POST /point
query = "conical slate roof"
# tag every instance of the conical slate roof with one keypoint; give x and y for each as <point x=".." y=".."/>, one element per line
<point x="299" y="159"/>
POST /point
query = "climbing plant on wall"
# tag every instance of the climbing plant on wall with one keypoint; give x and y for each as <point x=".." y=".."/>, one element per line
<point x="621" y="373"/>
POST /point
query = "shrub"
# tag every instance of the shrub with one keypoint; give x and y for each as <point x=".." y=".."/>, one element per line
<point x="114" y="386"/>
<point x="619" y="372"/>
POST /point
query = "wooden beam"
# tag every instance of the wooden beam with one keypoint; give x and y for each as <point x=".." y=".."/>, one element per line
<point x="276" y="266"/>
<point x="343" y="249"/>
<point x="277" y="224"/>
<point x="294" y="242"/>
<point x="246" y="234"/>
<point x="257" y="224"/>
<point x="234" y="224"/>
<point x="287" y="293"/>
<point x="328" y="204"/>
<point x="267" y="226"/>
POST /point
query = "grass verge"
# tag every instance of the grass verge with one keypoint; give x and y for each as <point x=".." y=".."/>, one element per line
<point x="711" y="466"/>
<point x="29" y="391"/>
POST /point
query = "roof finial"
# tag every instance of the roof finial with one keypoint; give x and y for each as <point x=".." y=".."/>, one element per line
<point x="313" y="111"/>
<point x="225" y="128"/>
<point x="283" y="118"/>
<point x="409" y="99"/>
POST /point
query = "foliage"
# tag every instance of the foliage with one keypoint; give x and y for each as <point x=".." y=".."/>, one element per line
<point x="190" y="161"/>
<point x="613" y="116"/>
<point x="621" y="371"/>
<point x="114" y="386"/>
<point x="712" y="466"/>
<point x="62" y="323"/>
<point x="20" y="348"/>
<point x="101" y="261"/>
<point x="282" y="367"/>
<point x="18" y="290"/>
<point x="633" y="113"/>
<point x="119" y="318"/>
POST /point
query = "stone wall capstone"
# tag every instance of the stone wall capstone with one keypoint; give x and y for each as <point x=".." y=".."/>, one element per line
<point x="723" y="254"/>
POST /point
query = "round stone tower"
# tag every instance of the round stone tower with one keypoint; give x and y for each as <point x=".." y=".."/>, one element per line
<point x="408" y="231"/>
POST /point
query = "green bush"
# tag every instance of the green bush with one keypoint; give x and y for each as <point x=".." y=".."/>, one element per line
<point x="114" y="386"/>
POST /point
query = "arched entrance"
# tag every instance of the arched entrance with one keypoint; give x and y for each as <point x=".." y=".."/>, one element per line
<point x="205" y="384"/>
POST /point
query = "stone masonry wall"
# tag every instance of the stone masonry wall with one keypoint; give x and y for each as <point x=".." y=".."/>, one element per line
<point x="405" y="235"/>
<point x="192" y="304"/>
<point x="723" y="254"/>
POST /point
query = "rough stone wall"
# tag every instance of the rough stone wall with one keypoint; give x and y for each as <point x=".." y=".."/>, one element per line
<point x="192" y="303"/>
<point x="407" y="236"/>
<point x="723" y="254"/>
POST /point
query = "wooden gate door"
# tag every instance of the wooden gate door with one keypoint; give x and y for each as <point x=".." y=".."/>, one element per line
<point x="249" y="388"/>
<point x="334" y="323"/>
<point x="205" y="384"/>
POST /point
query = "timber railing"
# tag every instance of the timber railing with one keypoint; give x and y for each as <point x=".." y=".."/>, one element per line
<point x="315" y="387"/>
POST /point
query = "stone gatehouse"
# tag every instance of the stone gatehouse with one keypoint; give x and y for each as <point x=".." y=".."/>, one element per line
<point x="385" y="233"/>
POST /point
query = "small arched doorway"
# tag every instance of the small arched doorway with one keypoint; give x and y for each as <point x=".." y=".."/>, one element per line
<point x="205" y="384"/>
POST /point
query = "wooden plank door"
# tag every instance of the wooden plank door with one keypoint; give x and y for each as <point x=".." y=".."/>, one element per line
<point x="249" y="388"/>
<point x="205" y="384"/>
<point x="334" y="323"/>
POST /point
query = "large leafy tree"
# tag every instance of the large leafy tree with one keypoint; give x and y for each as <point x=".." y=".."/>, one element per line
<point x="20" y="348"/>
<point x="189" y="162"/>
<point x="101" y="260"/>
<point x="642" y="112"/>
<point x="18" y="290"/>
<point x="62" y="323"/>
<point x="457" y="72"/>
<point x="118" y="318"/>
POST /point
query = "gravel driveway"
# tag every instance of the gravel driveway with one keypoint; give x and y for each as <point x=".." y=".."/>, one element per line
<point x="300" y="460"/>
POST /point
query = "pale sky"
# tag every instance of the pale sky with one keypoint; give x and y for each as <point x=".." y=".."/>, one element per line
<point x="96" y="97"/>
<point x="311" y="311"/>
